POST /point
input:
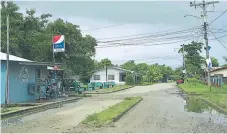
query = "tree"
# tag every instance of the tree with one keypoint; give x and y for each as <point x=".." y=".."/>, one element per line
<point x="129" y="79"/>
<point x="30" y="38"/>
<point x="193" y="57"/>
<point x="103" y="63"/>
<point x="215" y="62"/>
<point x="130" y="65"/>
<point x="154" y="73"/>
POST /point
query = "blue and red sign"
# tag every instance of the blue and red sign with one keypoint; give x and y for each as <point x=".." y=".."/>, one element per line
<point x="58" y="43"/>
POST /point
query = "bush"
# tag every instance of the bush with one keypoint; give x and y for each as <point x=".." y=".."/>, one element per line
<point x="129" y="80"/>
<point x="193" y="81"/>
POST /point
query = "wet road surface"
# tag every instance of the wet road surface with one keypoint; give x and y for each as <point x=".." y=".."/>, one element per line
<point x="163" y="109"/>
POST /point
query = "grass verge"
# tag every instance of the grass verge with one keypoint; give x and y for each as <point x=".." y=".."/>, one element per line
<point x="107" y="116"/>
<point x="144" y="84"/>
<point x="216" y="96"/>
<point x="112" y="89"/>
<point x="79" y="95"/>
<point x="5" y="110"/>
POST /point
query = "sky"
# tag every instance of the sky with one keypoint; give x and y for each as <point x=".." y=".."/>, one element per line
<point x="136" y="17"/>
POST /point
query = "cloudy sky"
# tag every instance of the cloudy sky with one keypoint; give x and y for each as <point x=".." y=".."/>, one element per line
<point x="133" y="18"/>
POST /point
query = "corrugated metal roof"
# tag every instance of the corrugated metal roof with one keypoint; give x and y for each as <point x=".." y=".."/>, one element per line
<point x="12" y="57"/>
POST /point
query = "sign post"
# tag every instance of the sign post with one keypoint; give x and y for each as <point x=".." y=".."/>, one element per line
<point x="58" y="46"/>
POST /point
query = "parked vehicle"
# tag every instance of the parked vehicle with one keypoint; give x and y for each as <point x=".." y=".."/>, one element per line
<point x="180" y="81"/>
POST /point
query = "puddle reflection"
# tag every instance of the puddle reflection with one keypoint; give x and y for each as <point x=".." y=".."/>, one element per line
<point x="196" y="105"/>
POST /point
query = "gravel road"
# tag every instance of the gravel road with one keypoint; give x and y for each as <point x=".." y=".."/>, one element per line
<point x="57" y="120"/>
<point x="163" y="109"/>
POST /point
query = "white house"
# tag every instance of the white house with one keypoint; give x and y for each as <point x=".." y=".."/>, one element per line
<point x="111" y="74"/>
<point x="219" y="71"/>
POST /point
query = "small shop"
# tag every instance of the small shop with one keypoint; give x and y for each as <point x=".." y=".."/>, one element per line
<point x="48" y="80"/>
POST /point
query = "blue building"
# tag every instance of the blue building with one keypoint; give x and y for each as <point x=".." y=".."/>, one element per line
<point x="23" y="73"/>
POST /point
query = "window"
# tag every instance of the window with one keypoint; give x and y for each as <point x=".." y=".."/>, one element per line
<point x="96" y="77"/>
<point x="110" y="77"/>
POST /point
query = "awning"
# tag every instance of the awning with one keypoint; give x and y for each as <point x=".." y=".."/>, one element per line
<point x="53" y="68"/>
<point x="39" y="63"/>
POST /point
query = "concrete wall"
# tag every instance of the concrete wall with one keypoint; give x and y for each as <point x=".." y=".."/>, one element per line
<point x="3" y="81"/>
<point x="224" y="72"/>
<point x="110" y="71"/>
<point x="18" y="90"/>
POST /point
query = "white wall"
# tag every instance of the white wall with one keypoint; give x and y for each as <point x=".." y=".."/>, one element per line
<point x="102" y="74"/>
<point x="224" y="72"/>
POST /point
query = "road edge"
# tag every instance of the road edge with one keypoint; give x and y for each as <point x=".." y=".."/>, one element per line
<point x="218" y="108"/>
<point x="111" y="91"/>
<point x="36" y="109"/>
<point x="123" y="113"/>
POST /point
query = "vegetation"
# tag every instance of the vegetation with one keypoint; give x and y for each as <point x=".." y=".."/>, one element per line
<point x="107" y="116"/>
<point x="193" y="59"/>
<point x="216" y="95"/>
<point x="112" y="89"/>
<point x="13" y="109"/>
<point x="129" y="80"/>
<point x="149" y="73"/>
<point x="30" y="38"/>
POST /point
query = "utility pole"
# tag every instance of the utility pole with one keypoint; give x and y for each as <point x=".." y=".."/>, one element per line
<point x="7" y="59"/>
<point x="204" y="5"/>
<point x="106" y="73"/>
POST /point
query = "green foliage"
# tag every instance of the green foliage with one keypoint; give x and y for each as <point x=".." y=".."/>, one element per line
<point x="129" y="80"/>
<point x="103" y="63"/>
<point x="192" y="81"/>
<point x="30" y="38"/>
<point x="175" y="77"/>
<point x="193" y="59"/>
<point x="215" y="62"/>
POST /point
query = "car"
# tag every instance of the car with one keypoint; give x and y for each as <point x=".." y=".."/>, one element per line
<point x="180" y="81"/>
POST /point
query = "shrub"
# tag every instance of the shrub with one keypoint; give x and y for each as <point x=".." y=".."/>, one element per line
<point x="129" y="80"/>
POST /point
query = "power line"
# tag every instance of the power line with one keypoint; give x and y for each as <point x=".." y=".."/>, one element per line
<point x="109" y="26"/>
<point x="122" y="44"/>
<point x="162" y="32"/>
<point x="219" y="41"/>
<point x="218" y="17"/>
<point x="149" y="36"/>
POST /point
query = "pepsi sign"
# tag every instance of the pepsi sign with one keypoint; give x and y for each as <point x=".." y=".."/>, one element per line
<point x="59" y="43"/>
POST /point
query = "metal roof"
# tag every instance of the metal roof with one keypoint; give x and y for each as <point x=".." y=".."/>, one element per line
<point x="117" y="68"/>
<point x="3" y="56"/>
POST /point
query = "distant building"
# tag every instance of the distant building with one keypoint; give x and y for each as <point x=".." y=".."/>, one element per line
<point x="219" y="71"/>
<point x="22" y="73"/>
<point x="113" y="74"/>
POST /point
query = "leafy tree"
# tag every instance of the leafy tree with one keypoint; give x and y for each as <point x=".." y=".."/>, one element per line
<point x="130" y="65"/>
<point x="215" y="62"/>
<point x="30" y="38"/>
<point x="193" y="57"/>
<point x="103" y="63"/>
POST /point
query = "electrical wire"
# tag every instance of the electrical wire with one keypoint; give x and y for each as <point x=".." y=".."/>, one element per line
<point x="219" y="41"/>
<point x="109" y="26"/>
<point x="121" y="44"/>
<point x="218" y="17"/>
<point x="162" y="32"/>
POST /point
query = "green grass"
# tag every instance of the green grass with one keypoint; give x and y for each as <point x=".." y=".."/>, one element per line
<point x="12" y="109"/>
<point x="217" y="96"/>
<point x="144" y="84"/>
<point x="112" y="89"/>
<point x="106" y="116"/>
<point x="201" y="88"/>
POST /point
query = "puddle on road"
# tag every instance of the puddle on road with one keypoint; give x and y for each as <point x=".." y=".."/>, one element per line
<point x="197" y="105"/>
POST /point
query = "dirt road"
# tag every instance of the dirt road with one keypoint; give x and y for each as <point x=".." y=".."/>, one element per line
<point x="58" y="120"/>
<point x="165" y="110"/>
<point x="162" y="110"/>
